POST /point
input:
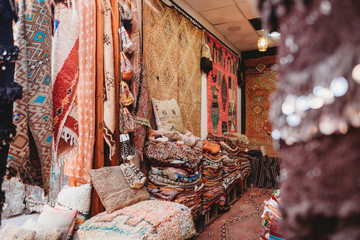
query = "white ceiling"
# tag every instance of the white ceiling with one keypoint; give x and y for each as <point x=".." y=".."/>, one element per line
<point x="230" y="18"/>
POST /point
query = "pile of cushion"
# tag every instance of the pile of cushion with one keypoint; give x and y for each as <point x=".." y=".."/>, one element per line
<point x="54" y="223"/>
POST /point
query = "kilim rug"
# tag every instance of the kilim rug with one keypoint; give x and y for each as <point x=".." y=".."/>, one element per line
<point x="260" y="81"/>
<point x="65" y="72"/>
<point x="172" y="52"/>
<point x="109" y="78"/>
<point x="243" y="221"/>
<point x="79" y="165"/>
<point x="142" y="106"/>
<point x="30" y="154"/>
<point x="222" y="89"/>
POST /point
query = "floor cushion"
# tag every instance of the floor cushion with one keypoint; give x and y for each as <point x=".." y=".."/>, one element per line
<point x="150" y="219"/>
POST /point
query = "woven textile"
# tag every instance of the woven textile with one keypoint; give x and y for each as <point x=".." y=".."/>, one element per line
<point x="79" y="165"/>
<point x="265" y="171"/>
<point x="30" y="154"/>
<point x="157" y="220"/>
<point x="65" y="72"/>
<point x="142" y="105"/>
<point x="222" y="89"/>
<point x="261" y="80"/>
<point x="172" y="52"/>
<point x="109" y="78"/>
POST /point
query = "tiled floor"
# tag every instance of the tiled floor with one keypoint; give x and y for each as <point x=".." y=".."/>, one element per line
<point x="243" y="221"/>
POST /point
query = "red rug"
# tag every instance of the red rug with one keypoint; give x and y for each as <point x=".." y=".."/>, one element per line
<point x="243" y="221"/>
<point x="261" y="81"/>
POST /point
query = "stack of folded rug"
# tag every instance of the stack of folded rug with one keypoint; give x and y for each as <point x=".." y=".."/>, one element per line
<point x="234" y="158"/>
<point x="272" y="218"/>
<point x="212" y="176"/>
<point x="175" y="168"/>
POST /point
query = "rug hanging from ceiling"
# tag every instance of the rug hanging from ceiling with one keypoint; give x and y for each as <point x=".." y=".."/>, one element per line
<point x="109" y="81"/>
<point x="30" y="153"/>
<point x="172" y="52"/>
<point x="65" y="72"/>
<point x="260" y="82"/>
<point x="142" y="106"/>
<point x="222" y="89"/>
<point x="78" y="165"/>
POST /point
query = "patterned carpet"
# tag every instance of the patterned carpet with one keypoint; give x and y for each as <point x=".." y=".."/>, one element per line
<point x="261" y="81"/>
<point x="243" y="221"/>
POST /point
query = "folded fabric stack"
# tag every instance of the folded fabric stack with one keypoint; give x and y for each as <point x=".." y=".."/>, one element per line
<point x="175" y="168"/>
<point x="234" y="157"/>
<point x="272" y="218"/>
<point x="212" y="176"/>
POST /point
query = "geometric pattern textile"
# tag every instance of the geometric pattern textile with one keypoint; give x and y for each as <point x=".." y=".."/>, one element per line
<point x="142" y="106"/>
<point x="65" y="75"/>
<point x="222" y="89"/>
<point x="151" y="220"/>
<point x="243" y="221"/>
<point x="172" y="53"/>
<point x="261" y="82"/>
<point x="30" y="153"/>
<point x="78" y="165"/>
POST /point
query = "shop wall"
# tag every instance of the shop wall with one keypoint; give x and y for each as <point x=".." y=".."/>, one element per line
<point x="172" y="52"/>
<point x="261" y="80"/>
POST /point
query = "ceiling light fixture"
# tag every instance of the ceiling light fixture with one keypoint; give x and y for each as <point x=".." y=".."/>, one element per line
<point x="262" y="43"/>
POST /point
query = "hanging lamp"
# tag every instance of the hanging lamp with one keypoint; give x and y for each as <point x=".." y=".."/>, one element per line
<point x="262" y="43"/>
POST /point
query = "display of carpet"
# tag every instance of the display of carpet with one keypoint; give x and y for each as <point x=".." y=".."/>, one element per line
<point x="65" y="72"/>
<point x="222" y="89"/>
<point x="261" y="80"/>
<point x="172" y="53"/>
<point x="9" y="90"/>
<point x="212" y="177"/>
<point x="31" y="152"/>
<point x="235" y="159"/>
<point x="225" y="164"/>
<point x="175" y="169"/>
<point x="272" y="218"/>
<point x="142" y="106"/>
<point x="78" y="165"/>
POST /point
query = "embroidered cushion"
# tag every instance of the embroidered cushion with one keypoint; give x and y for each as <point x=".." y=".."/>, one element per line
<point x="11" y="231"/>
<point x="41" y="232"/>
<point x="75" y="198"/>
<point x="113" y="189"/>
<point x="168" y="115"/>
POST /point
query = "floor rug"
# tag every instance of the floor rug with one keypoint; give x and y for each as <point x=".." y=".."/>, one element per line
<point x="243" y="221"/>
<point x="172" y="52"/>
<point x="260" y="82"/>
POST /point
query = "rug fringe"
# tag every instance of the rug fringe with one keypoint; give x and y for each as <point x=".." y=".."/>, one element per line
<point x="70" y="137"/>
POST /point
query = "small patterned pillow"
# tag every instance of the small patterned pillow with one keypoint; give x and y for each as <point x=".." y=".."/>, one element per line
<point x="113" y="189"/>
<point x="75" y="198"/>
<point x="41" y="232"/>
<point x="13" y="232"/>
<point x="168" y="115"/>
